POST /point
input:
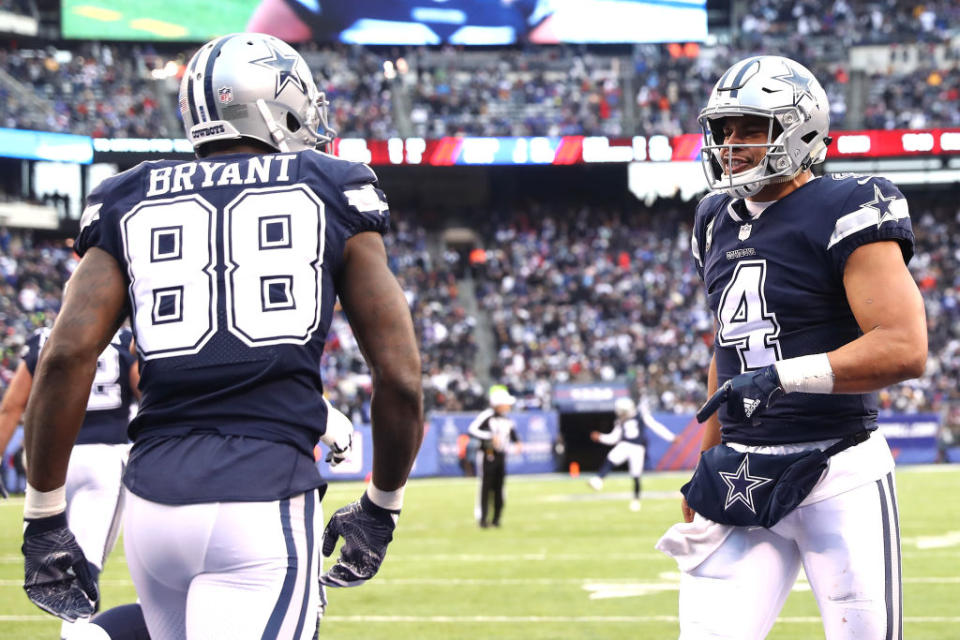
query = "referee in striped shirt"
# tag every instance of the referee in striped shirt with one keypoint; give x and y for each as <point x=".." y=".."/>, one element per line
<point x="494" y="430"/>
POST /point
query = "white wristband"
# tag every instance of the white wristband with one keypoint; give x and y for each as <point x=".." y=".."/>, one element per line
<point x="806" y="374"/>
<point x="43" y="504"/>
<point x="390" y="500"/>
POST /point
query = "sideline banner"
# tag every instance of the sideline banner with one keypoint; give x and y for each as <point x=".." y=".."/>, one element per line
<point x="912" y="439"/>
<point x="537" y="431"/>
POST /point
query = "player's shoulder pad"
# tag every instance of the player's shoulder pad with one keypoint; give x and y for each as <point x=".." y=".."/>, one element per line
<point x="356" y="181"/>
<point x="109" y="189"/>
<point x="868" y="202"/>
<point x="707" y="209"/>
<point x="33" y="344"/>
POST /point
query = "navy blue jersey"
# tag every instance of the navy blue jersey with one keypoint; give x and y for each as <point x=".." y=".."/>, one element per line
<point x="775" y="284"/>
<point x="231" y="265"/>
<point x="632" y="430"/>
<point x="108" y="409"/>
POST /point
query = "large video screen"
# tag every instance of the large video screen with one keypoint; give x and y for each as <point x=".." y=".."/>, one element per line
<point x="391" y="22"/>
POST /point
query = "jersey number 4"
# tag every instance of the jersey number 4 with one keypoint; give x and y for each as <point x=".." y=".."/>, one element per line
<point x="269" y="242"/>
<point x="745" y="321"/>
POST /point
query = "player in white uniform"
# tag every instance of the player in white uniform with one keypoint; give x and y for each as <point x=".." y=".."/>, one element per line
<point x="231" y="266"/>
<point x="629" y="441"/>
<point x="93" y="489"/>
<point x="815" y="310"/>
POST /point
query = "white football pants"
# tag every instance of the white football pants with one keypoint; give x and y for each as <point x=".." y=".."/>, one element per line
<point x="849" y="547"/>
<point x="95" y="497"/>
<point x="632" y="453"/>
<point x="227" y="570"/>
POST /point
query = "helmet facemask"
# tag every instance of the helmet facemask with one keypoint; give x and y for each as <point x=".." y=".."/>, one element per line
<point x="775" y="165"/>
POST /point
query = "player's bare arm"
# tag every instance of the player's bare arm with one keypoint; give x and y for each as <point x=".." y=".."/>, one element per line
<point x="380" y="318"/>
<point x="93" y="308"/>
<point x="381" y="322"/>
<point x="889" y="309"/>
<point x="13" y="404"/>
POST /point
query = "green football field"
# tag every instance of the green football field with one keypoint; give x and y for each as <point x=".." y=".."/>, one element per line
<point x="154" y="19"/>
<point x="568" y="563"/>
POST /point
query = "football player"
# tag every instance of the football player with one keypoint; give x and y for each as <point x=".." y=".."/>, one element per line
<point x="629" y="441"/>
<point x="815" y="311"/>
<point x="229" y="267"/>
<point x="94" y="500"/>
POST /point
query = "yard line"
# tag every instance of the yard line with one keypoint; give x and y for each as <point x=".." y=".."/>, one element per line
<point x="587" y="619"/>
<point x="516" y="619"/>
<point x="667" y="583"/>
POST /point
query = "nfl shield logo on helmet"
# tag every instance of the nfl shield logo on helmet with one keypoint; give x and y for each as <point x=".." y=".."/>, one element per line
<point x="226" y="95"/>
<point x="744" y="232"/>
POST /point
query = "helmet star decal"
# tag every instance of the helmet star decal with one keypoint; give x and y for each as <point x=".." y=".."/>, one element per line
<point x="285" y="68"/>
<point x="798" y="82"/>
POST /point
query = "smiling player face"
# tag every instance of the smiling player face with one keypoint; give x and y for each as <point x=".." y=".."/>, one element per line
<point x="743" y="130"/>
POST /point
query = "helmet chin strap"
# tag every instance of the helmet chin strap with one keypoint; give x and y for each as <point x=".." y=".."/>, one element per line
<point x="279" y="139"/>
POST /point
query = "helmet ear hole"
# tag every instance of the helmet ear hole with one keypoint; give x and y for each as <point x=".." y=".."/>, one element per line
<point x="292" y="123"/>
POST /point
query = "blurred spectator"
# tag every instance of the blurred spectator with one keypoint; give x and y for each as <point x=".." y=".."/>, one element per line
<point x="572" y="293"/>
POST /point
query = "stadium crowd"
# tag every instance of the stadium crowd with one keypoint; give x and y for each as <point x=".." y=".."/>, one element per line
<point x="118" y="91"/>
<point x="572" y="295"/>
<point x="104" y="91"/>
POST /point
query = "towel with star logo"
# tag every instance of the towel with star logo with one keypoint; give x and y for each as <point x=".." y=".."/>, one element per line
<point x="757" y="489"/>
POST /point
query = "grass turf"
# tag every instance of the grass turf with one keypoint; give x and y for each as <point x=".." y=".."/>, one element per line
<point x="568" y="563"/>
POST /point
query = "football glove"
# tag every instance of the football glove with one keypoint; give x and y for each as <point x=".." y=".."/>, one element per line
<point x="367" y="530"/>
<point x="338" y="437"/>
<point x="3" y="487"/>
<point x="57" y="577"/>
<point x="746" y="395"/>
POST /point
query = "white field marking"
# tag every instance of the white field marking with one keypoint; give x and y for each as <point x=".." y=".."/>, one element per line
<point x="541" y="556"/>
<point x="589" y="619"/>
<point x="533" y="619"/>
<point x="949" y="539"/>
<point x="601" y="496"/>
<point x="930" y="468"/>
<point x="625" y="587"/>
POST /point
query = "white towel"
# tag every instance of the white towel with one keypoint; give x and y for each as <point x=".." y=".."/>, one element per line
<point x="690" y="543"/>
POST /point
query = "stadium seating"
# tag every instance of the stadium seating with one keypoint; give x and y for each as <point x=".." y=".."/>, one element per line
<point x="577" y="295"/>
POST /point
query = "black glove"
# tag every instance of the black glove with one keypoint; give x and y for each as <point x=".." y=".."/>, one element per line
<point x="746" y="395"/>
<point x="367" y="530"/>
<point x="3" y="487"/>
<point x="57" y="577"/>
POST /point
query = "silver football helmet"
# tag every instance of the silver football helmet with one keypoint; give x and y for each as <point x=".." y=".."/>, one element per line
<point x="251" y="85"/>
<point x="796" y="105"/>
